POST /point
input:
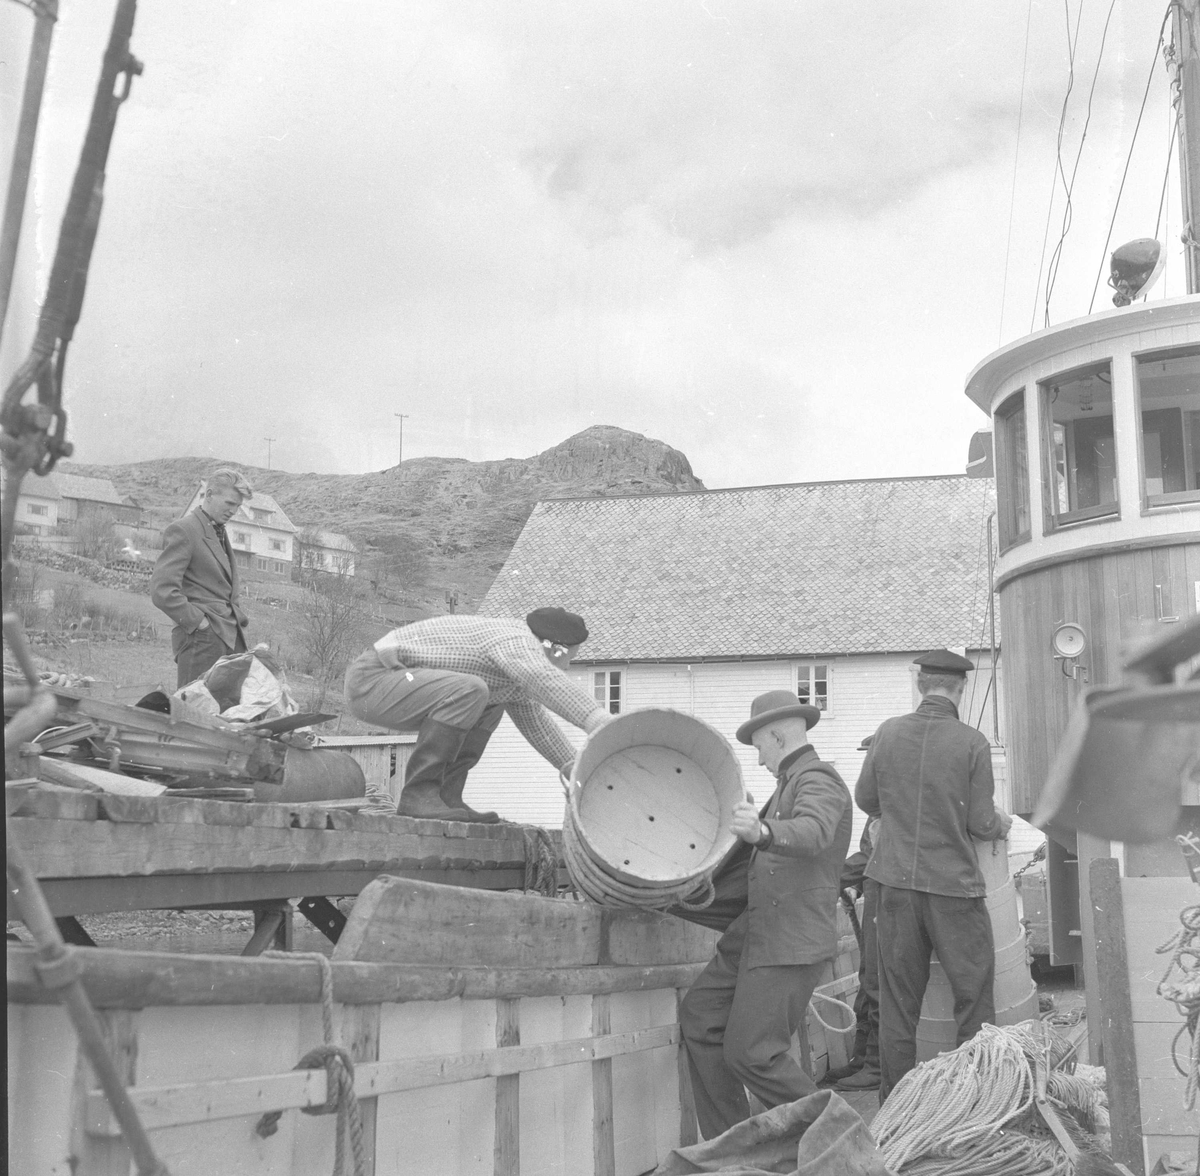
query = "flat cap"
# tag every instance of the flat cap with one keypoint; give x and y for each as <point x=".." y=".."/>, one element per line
<point x="557" y="625"/>
<point x="942" y="661"/>
<point x="776" y="704"/>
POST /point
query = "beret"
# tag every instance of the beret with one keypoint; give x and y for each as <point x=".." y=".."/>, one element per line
<point x="557" y="625"/>
<point x="776" y="704"/>
<point x="942" y="661"/>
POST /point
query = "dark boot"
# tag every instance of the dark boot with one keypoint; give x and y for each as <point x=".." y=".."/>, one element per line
<point x="455" y="778"/>
<point x="437" y="745"/>
<point x="868" y="1078"/>
<point x="832" y="1076"/>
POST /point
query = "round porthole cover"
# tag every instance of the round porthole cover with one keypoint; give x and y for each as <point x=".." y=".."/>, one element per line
<point x="1068" y="640"/>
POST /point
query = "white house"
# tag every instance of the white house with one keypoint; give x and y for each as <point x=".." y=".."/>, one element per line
<point x="701" y="601"/>
<point x="46" y="503"/>
<point x="324" y="551"/>
<point x="261" y="535"/>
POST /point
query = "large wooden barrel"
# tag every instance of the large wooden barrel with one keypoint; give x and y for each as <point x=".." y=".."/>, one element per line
<point x="1013" y="989"/>
<point x="649" y="804"/>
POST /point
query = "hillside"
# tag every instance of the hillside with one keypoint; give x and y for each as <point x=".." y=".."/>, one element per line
<point x="443" y="521"/>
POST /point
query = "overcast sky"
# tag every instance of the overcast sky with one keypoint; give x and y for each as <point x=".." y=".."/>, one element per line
<point x="772" y="233"/>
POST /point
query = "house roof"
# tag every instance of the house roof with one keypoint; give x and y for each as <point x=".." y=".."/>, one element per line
<point x="773" y="571"/>
<point x="331" y="540"/>
<point x="257" y="501"/>
<point x="86" y="489"/>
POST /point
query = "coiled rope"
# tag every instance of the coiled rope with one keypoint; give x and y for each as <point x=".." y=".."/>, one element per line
<point x="340" y="1098"/>
<point x="971" y="1112"/>
<point x="1184" y="993"/>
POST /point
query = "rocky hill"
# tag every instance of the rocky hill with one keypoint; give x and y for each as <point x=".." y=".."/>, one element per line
<point x="440" y="522"/>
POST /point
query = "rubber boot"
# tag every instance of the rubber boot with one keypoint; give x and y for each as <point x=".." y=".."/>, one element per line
<point x="869" y="1075"/>
<point x="437" y="745"/>
<point x="473" y="747"/>
<point x="832" y="1076"/>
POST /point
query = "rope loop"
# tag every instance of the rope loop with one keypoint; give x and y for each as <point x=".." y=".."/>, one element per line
<point x="339" y="1073"/>
<point x="706" y="889"/>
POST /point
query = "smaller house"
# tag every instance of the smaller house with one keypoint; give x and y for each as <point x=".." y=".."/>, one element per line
<point x="84" y="499"/>
<point x="323" y="551"/>
<point x="261" y="535"/>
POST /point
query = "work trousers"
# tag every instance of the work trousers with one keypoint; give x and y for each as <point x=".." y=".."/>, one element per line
<point x="404" y="698"/>
<point x="198" y="651"/>
<point x="911" y="926"/>
<point x="866" y="1003"/>
<point x="737" y="1023"/>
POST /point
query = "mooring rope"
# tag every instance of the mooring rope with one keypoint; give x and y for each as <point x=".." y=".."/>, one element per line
<point x="1184" y="993"/>
<point x="340" y="1098"/>
<point x="541" y="861"/>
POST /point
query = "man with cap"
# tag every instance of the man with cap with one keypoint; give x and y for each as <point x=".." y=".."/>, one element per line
<point x="738" y="1018"/>
<point x="451" y="679"/>
<point x="195" y="581"/>
<point x="928" y="777"/>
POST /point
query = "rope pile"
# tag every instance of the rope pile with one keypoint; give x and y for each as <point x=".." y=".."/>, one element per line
<point x="971" y="1112"/>
<point x="1184" y="993"/>
<point x="541" y="861"/>
<point x="340" y="1098"/>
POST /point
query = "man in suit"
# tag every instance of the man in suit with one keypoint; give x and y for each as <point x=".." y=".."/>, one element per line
<point x="195" y="580"/>
<point x="739" y="1016"/>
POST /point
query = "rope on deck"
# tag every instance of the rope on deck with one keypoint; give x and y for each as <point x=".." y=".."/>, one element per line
<point x="1184" y="993"/>
<point x="340" y="1098"/>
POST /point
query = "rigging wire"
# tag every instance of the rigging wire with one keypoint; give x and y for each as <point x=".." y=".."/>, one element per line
<point x="1012" y="198"/>
<point x="1062" y="122"/>
<point x="1068" y="211"/>
<point x="1129" y="156"/>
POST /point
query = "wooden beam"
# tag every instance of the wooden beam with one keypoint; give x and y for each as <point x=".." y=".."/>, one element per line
<point x="205" y="1102"/>
<point x="604" y="1160"/>
<point x="1116" y="1014"/>
<point x="506" y="1152"/>
<point x="138" y="979"/>
<point x="689" y="1131"/>
<point x="92" y="1155"/>
<point x="357" y="1028"/>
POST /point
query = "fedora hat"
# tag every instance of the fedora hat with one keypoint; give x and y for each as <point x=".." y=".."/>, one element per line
<point x="776" y="704"/>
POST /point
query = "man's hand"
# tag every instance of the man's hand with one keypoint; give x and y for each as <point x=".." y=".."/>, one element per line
<point x="1005" y="824"/>
<point x="745" y="823"/>
<point x="203" y="624"/>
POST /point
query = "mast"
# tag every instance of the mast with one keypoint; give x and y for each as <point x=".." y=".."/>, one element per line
<point x="1187" y="84"/>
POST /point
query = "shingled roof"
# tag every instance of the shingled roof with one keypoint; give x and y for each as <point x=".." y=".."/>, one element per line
<point x="874" y="566"/>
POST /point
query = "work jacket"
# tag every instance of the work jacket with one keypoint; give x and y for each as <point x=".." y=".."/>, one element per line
<point x="793" y="881"/>
<point x="929" y="777"/>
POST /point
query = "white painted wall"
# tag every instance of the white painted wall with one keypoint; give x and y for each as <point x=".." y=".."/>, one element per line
<point x="515" y="781"/>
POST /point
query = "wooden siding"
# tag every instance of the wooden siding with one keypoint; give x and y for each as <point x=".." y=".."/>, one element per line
<point x="1114" y="598"/>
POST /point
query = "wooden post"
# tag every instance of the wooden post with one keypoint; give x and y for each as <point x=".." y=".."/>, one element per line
<point x="689" y="1132"/>
<point x="94" y="1155"/>
<point x="604" y="1159"/>
<point x="507" y="1152"/>
<point x="359" y="1033"/>
<point x="1116" y="1014"/>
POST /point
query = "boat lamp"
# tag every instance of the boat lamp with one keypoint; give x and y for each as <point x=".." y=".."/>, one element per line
<point x="1069" y="643"/>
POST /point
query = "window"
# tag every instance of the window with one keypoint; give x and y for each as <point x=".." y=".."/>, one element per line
<point x="812" y="685"/>
<point x="1169" y="394"/>
<point x="35" y="509"/>
<point x="1079" y="451"/>
<point x="278" y="565"/>
<point x="277" y="545"/>
<point x="242" y="538"/>
<point x="261" y="564"/>
<point x="606" y="689"/>
<point x="1012" y="471"/>
<point x="260" y="516"/>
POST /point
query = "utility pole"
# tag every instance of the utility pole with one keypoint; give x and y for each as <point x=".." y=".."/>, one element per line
<point x="403" y="416"/>
<point x="1187" y="104"/>
<point x="268" y="440"/>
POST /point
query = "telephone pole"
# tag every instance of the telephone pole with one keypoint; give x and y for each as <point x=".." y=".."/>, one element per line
<point x="1186" y="98"/>
<point x="403" y="416"/>
<point x="268" y="440"/>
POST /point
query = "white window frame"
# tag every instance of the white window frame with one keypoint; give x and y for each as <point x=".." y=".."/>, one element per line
<point x="277" y="545"/>
<point x="602" y="687"/>
<point x="808" y="670"/>
<point x="39" y="510"/>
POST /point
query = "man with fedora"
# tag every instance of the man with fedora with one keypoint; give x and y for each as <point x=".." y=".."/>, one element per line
<point x="195" y="580"/>
<point x="739" y="1016"/>
<point x="928" y="777"/>
<point x="452" y="678"/>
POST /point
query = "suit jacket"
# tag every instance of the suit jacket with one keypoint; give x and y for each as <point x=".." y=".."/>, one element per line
<point x="195" y="578"/>
<point x="794" y="882"/>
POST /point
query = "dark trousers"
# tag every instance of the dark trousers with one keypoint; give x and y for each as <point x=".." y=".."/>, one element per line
<point x="737" y="1023"/>
<point x="866" y="1004"/>
<point x="198" y="651"/>
<point x="911" y="926"/>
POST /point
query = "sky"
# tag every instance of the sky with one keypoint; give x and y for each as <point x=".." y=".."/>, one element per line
<point x="774" y="234"/>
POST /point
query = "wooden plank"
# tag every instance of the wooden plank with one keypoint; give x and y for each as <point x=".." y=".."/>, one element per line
<point x="94" y="1155"/>
<point x="604" y="1161"/>
<point x="689" y="1131"/>
<point x="398" y="920"/>
<point x="205" y="1102"/>
<point x="646" y="937"/>
<point x="1152" y="907"/>
<point x="357" y="1028"/>
<point x="506" y="1149"/>
<point x="137" y="979"/>
<point x="1116" y="1014"/>
<point x="1163" y="1112"/>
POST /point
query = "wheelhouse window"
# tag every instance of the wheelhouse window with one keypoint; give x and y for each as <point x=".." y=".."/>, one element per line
<point x="606" y="689"/>
<point x="1012" y="470"/>
<point x="812" y="685"/>
<point x="1079" y="451"/>
<point x="1168" y="386"/>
